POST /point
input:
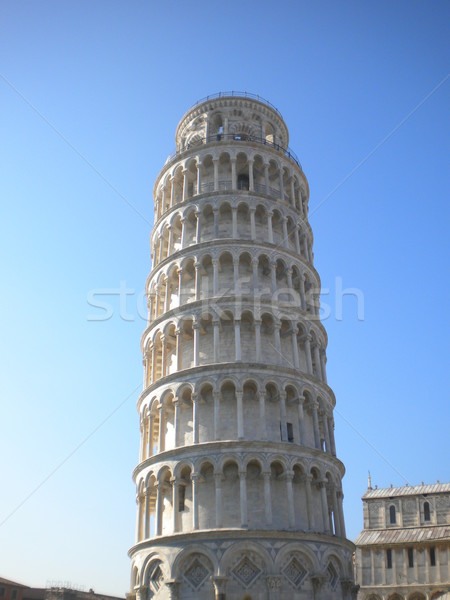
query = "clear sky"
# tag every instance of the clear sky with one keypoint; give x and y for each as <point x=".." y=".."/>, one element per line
<point x="90" y="95"/>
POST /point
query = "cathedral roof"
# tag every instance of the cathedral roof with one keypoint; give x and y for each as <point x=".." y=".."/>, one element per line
<point x="402" y="535"/>
<point x="434" y="488"/>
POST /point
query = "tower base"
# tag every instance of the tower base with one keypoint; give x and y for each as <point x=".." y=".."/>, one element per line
<point x="243" y="565"/>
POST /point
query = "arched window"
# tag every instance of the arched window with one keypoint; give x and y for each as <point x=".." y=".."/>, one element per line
<point x="392" y="515"/>
<point x="432" y="557"/>
<point x="389" y="558"/>
<point x="426" y="511"/>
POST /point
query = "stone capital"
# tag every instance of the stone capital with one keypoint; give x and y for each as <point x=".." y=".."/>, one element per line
<point x="274" y="582"/>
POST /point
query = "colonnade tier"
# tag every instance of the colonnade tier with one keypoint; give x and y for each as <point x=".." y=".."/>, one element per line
<point x="233" y="167"/>
<point x="233" y="217"/>
<point x="176" y="496"/>
<point x="216" y="273"/>
<point x="238" y="113"/>
<point x="179" y="417"/>
<point x="188" y="341"/>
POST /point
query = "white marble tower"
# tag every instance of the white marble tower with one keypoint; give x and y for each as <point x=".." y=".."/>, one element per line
<point x="239" y="492"/>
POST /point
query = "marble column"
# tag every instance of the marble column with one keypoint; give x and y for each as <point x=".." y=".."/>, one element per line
<point x="216" y="324"/>
<point x="266" y="178"/>
<point x="301" y="420"/>
<point x="234" y="222"/>
<point x="194" y="478"/>
<point x="269" y="226"/>
<point x="185" y="184"/>
<point x="257" y="324"/>
<point x="240" y="415"/>
<point x="215" y="263"/>
<point x="314" y="407"/>
<point x="218" y="490"/>
<point x="176" y="420"/>
<point x="158" y="510"/>
<point x="198" y="227"/>
<point x="237" y="339"/>
<point x="267" y="498"/>
<point x="199" y="177"/>
<point x="147" y="513"/>
<point x="216" y="222"/>
<point x="196" y="328"/>
<point x="216" y="174"/>
<point x="285" y="233"/>
<point x="290" y="498"/>
<point x="195" y="419"/>
<point x="243" y="498"/>
<point x="198" y="280"/>
<point x="252" y="223"/>
<point x="216" y="396"/>
<point x="309" y="503"/>
<point x="323" y="493"/>
<point x="175" y="502"/>
<point x="161" y="428"/>
<point x="308" y="339"/>
<point x="262" y="415"/>
<point x="251" y="185"/>
<point x="284" y="436"/>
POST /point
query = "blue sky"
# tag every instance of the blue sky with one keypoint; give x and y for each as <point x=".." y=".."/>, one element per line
<point x="90" y="95"/>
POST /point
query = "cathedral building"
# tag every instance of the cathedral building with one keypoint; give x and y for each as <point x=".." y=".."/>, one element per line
<point x="403" y="551"/>
<point x="239" y="488"/>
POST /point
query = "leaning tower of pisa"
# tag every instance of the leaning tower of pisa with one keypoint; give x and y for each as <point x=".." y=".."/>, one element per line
<point x="239" y="493"/>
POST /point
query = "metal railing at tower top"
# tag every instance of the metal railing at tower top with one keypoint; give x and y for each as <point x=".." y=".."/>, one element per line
<point x="219" y="137"/>
<point x="237" y="95"/>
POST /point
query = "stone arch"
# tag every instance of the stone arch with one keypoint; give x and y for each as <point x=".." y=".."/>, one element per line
<point x="193" y="568"/>
<point x="206" y="337"/>
<point x="286" y="344"/>
<point x="215" y="125"/>
<point x="242" y="172"/>
<point x="181" y="466"/>
<point x="206" y="493"/>
<point x="226" y="273"/>
<point x="228" y="406"/>
<point x="227" y="352"/>
<point x="247" y="335"/>
<point x="205" y="381"/>
<point x="278" y="470"/>
<point x="261" y="224"/>
<point x="185" y="508"/>
<point x="206" y="406"/>
<point x="230" y="466"/>
<point x="296" y="563"/>
<point x="292" y="412"/>
<point x="224" y="170"/>
<point x="247" y="563"/>
<point x="344" y="567"/>
<point x="185" y="414"/>
<point x="245" y="273"/>
<point x="250" y="399"/>
<point x="272" y="410"/>
<point x="150" y="577"/>
<point x="254" y="467"/>
<point x="135" y="579"/>
<point x="268" y="338"/>
<point x="277" y="227"/>
<point x="242" y="130"/>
